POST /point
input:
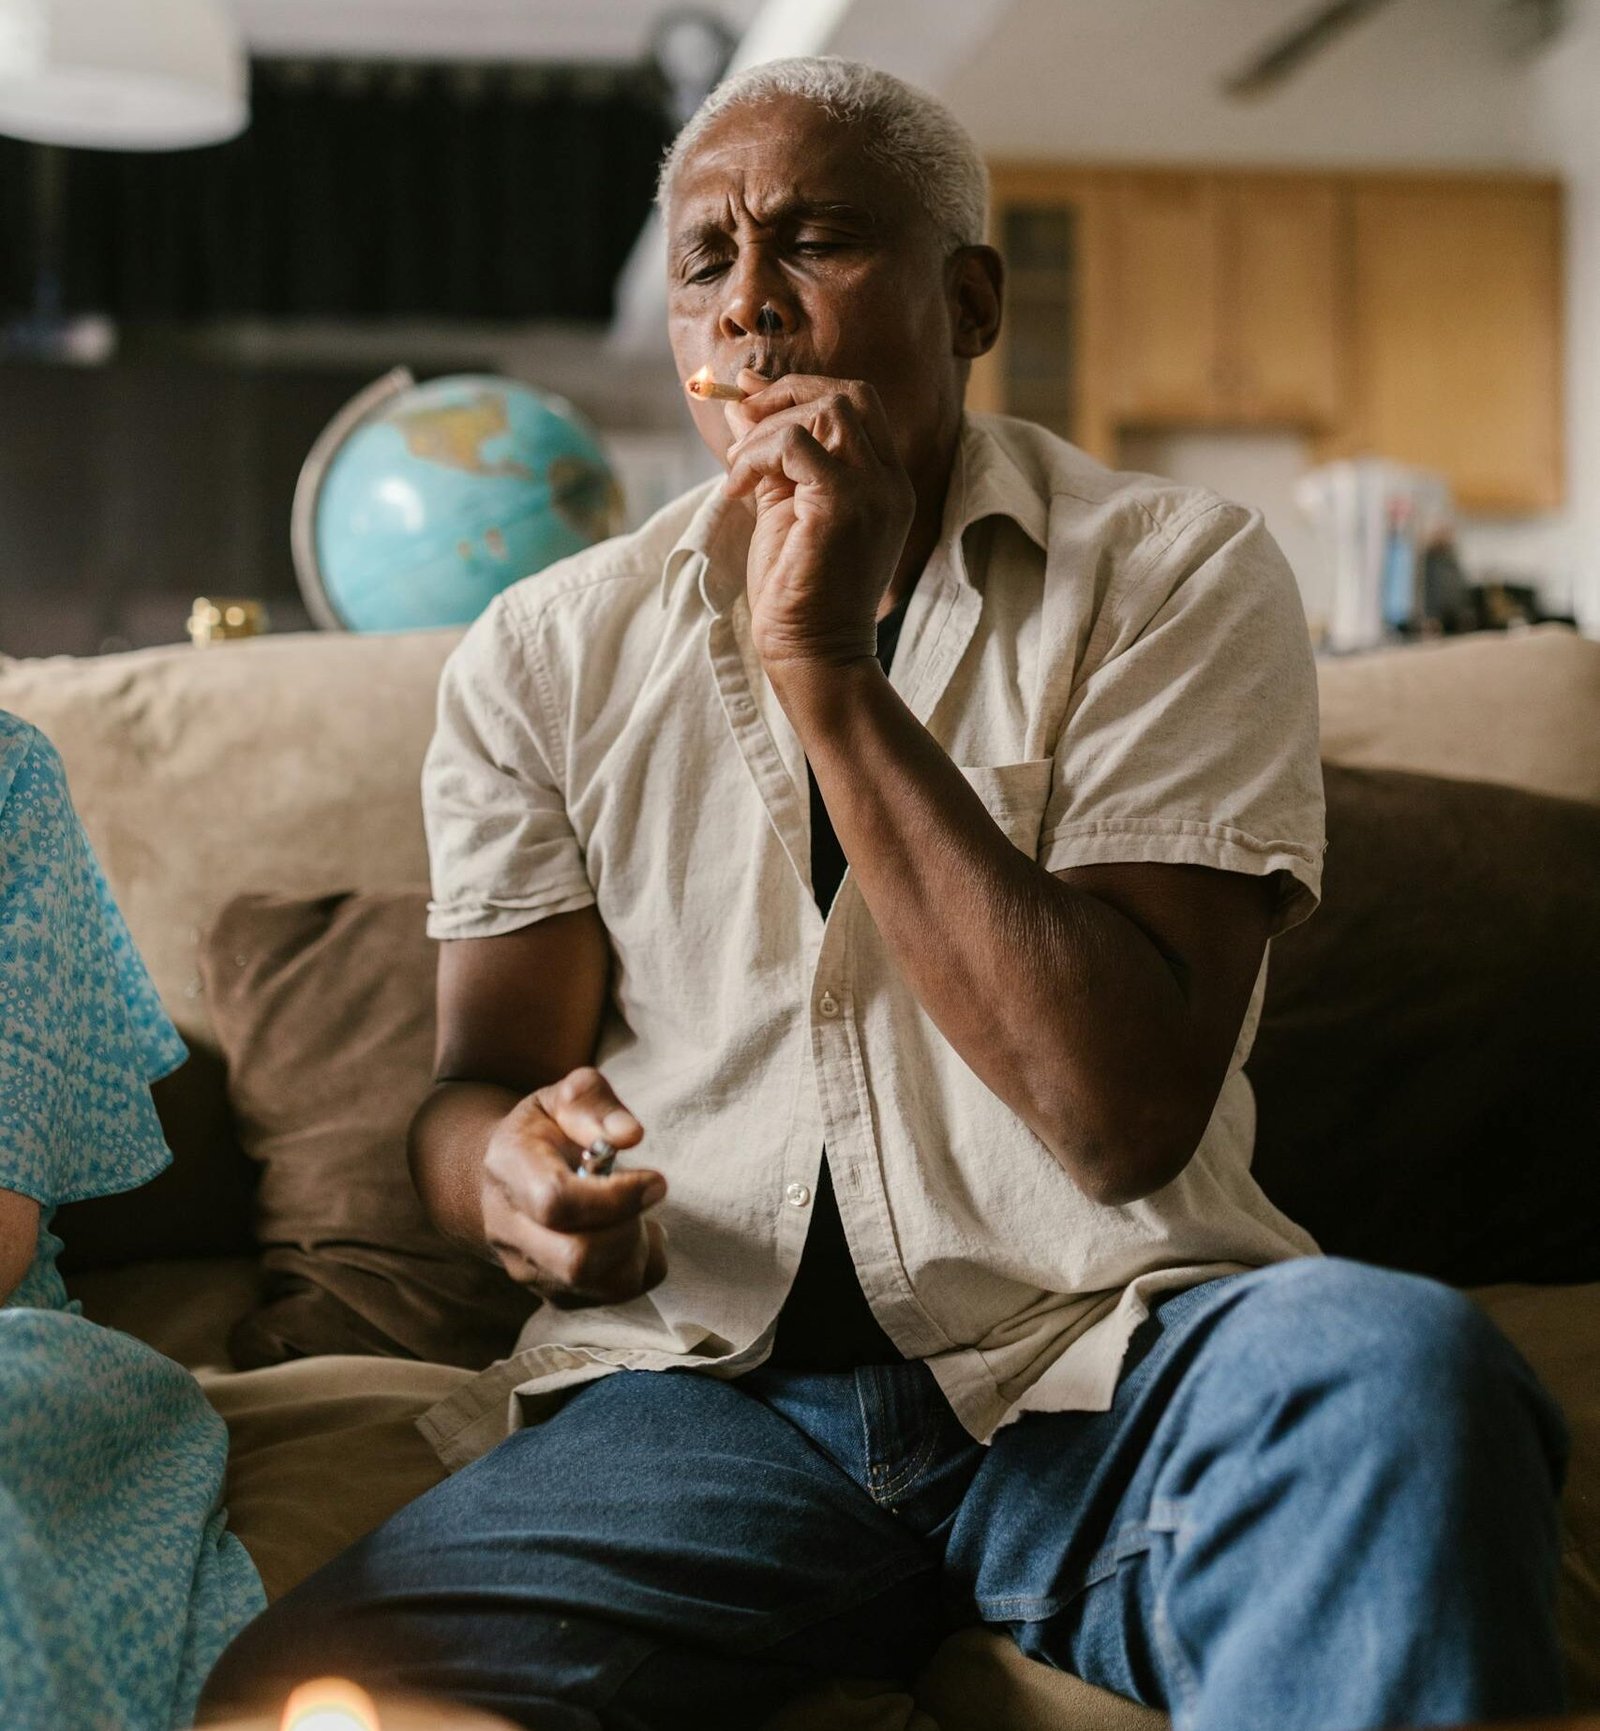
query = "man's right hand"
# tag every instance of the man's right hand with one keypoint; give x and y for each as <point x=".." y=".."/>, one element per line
<point x="573" y="1239"/>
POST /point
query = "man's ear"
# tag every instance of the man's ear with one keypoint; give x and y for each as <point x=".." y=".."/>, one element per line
<point x="977" y="278"/>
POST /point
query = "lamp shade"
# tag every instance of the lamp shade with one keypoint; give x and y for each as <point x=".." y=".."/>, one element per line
<point x="121" y="74"/>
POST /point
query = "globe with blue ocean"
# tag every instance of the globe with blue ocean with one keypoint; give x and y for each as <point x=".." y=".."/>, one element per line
<point x="420" y="503"/>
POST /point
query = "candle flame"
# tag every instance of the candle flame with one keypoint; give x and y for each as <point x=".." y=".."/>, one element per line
<point x="330" y="1704"/>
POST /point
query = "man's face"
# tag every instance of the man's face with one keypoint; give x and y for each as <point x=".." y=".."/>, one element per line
<point x="789" y="251"/>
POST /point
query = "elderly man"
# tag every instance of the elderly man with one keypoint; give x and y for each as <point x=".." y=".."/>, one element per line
<point x="880" y="849"/>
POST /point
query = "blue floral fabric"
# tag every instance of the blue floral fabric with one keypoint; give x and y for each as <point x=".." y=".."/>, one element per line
<point x="119" y="1582"/>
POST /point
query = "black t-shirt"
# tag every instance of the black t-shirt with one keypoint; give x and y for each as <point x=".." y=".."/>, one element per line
<point x="826" y="1322"/>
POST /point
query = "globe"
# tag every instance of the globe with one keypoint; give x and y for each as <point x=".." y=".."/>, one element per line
<point x="420" y="503"/>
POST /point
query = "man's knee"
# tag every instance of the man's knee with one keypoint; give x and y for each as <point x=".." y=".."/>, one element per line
<point x="1416" y="1358"/>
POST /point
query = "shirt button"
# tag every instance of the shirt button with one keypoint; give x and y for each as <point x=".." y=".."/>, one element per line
<point x="797" y="1196"/>
<point x="828" y="1004"/>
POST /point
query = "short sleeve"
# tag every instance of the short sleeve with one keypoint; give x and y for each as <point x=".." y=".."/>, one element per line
<point x="501" y="849"/>
<point x="82" y="1030"/>
<point x="1193" y="736"/>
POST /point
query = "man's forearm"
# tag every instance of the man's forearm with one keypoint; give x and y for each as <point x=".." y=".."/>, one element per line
<point x="449" y="1135"/>
<point x="1058" y="1002"/>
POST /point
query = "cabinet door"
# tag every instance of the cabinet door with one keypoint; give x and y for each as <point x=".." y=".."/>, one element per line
<point x="1167" y="353"/>
<point x="1283" y="305"/>
<point x="1457" y="335"/>
<point x="1048" y="366"/>
<point x="1039" y="355"/>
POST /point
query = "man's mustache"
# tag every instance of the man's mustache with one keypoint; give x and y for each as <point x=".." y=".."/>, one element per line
<point x="770" y="363"/>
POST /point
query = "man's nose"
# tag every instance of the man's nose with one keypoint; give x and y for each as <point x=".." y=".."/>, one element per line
<point x="755" y="304"/>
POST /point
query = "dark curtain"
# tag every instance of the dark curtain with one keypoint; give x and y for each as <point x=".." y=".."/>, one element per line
<point x="360" y="191"/>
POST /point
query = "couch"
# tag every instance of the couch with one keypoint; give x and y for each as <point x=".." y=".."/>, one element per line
<point x="289" y="766"/>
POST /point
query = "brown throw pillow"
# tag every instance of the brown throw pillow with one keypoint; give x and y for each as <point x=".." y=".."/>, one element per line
<point x="1426" y="1063"/>
<point x="324" y="1008"/>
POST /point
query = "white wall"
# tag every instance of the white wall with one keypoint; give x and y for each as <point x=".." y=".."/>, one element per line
<point x="1566" y="84"/>
<point x="1258" y="469"/>
<point x="1423" y="83"/>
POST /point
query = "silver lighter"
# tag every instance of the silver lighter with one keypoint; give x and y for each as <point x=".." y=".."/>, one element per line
<point x="597" y="1159"/>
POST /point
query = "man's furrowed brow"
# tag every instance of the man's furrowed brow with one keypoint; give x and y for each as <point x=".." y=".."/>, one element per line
<point x="697" y="233"/>
<point x="834" y="210"/>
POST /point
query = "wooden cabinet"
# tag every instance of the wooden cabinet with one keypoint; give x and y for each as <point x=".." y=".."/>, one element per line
<point x="1049" y="365"/>
<point x="1285" y="315"/>
<point x="1412" y="318"/>
<point x="1168" y="311"/>
<point x="1229" y="308"/>
<point x="1457" y="336"/>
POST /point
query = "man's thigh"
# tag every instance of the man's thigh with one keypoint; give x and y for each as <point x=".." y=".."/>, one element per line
<point x="1317" y="1464"/>
<point x="1064" y="1502"/>
<point x="663" y="1548"/>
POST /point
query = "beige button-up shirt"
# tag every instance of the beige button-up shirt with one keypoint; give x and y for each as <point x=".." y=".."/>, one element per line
<point x="1120" y="667"/>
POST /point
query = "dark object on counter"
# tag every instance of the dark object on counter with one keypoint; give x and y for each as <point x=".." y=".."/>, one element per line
<point x="1499" y="606"/>
<point x="1496" y="606"/>
<point x="1446" y="602"/>
<point x="1450" y="606"/>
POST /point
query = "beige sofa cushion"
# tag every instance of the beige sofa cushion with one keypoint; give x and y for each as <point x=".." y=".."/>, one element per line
<point x="1521" y="707"/>
<point x="292" y="763"/>
<point x="281" y="763"/>
<point x="322" y="1451"/>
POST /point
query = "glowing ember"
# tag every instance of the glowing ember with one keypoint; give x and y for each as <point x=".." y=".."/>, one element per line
<point x="330" y="1704"/>
<point x="704" y="386"/>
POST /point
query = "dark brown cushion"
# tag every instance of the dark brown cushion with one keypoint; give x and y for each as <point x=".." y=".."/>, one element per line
<point x="201" y="1206"/>
<point x="1426" y="1062"/>
<point x="324" y="1008"/>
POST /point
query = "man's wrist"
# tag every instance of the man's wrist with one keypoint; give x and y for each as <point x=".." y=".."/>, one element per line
<point x="822" y="694"/>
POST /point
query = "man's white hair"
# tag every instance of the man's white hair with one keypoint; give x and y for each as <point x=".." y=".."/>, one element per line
<point x="909" y="132"/>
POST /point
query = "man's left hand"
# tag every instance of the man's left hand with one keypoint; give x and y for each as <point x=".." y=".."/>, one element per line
<point x="833" y="506"/>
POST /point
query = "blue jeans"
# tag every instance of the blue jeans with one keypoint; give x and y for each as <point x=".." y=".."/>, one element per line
<point x="1324" y="1497"/>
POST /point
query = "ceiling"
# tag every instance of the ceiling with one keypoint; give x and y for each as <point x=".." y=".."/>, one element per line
<point x="1419" y="81"/>
<point x="548" y="30"/>
<point x="1425" y="81"/>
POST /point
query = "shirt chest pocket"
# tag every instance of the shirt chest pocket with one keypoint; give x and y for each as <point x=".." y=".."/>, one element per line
<point x="1014" y="795"/>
